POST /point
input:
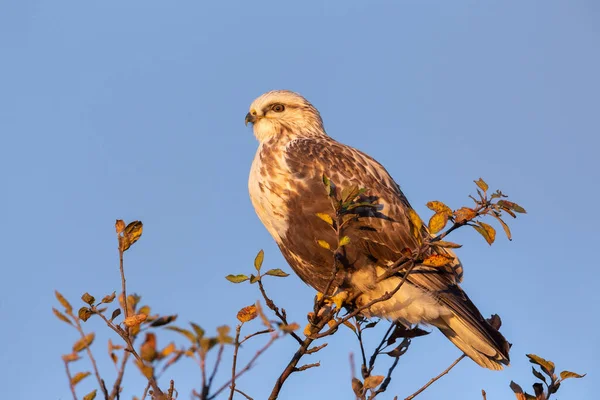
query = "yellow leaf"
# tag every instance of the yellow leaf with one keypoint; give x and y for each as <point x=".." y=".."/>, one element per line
<point x="84" y="342"/>
<point x="325" y="217"/>
<point x="148" y="348"/>
<point x="437" y="222"/>
<point x="416" y="224"/>
<point x="439" y="207"/>
<point x="568" y="374"/>
<point x="167" y="350"/>
<point x="451" y="245"/>
<point x="146" y="370"/>
<point x="90" y="396"/>
<point x="373" y="381"/>
<point x="482" y="185"/>
<point x="488" y="233"/>
<point x="247" y="314"/>
<point x="339" y="299"/>
<point x="61" y="316"/>
<point x="135" y="320"/>
<point x="464" y="214"/>
<point x="258" y="260"/>
<point x="344" y="241"/>
<point x="437" y="260"/>
<point x="324" y="244"/>
<point x="70" y="357"/>
<point x="79" y="377"/>
<point x="131" y="234"/>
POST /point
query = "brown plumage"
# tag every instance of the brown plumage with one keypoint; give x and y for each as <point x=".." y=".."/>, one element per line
<point x="287" y="192"/>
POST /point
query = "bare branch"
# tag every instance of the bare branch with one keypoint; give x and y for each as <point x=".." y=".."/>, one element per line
<point x="70" y="380"/>
<point x="415" y="394"/>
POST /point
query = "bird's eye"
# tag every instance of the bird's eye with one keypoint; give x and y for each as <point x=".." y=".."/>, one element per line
<point x="278" y="107"/>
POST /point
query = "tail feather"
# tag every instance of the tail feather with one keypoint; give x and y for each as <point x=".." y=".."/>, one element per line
<point x="481" y="342"/>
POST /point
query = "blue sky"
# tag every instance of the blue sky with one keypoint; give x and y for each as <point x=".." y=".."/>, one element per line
<point x="135" y="110"/>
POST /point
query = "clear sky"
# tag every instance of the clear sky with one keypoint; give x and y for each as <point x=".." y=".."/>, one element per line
<point x="135" y="109"/>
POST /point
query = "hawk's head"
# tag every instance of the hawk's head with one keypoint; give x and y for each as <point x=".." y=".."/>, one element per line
<point x="281" y="110"/>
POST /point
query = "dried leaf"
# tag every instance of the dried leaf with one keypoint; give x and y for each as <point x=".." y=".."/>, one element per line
<point x="115" y="314"/>
<point x="184" y="332"/>
<point x="258" y="260"/>
<point x="61" y="316"/>
<point x="247" y="313"/>
<point x="538" y="374"/>
<point x="119" y="226"/>
<point x="223" y="334"/>
<point x="437" y="222"/>
<point x="277" y="272"/>
<point x="568" y="374"/>
<point x="449" y="245"/>
<point x="399" y="350"/>
<point x="344" y="241"/>
<point x="349" y="325"/>
<point x="325" y="217"/>
<point x="504" y="226"/>
<point x="90" y="396"/>
<point x="148" y="348"/>
<point x="199" y="331"/>
<point x="438" y="207"/>
<point x="349" y="193"/>
<point x="290" y="327"/>
<point x="464" y="214"/>
<point x="70" y="357"/>
<point x="373" y="381"/>
<point x="109" y="298"/>
<point x="488" y="233"/>
<point x="167" y="319"/>
<point x="547" y="366"/>
<point x="63" y="301"/>
<point x="79" y="377"/>
<point x="84" y="313"/>
<point x="114" y="358"/>
<point x="254" y="279"/>
<point x="324" y="244"/>
<point x="437" y="260"/>
<point x="146" y="370"/>
<point x="482" y="185"/>
<point x="509" y="205"/>
<point x="135" y="320"/>
<point x="88" y="298"/>
<point x="237" y="278"/>
<point x="415" y="219"/>
<point x="131" y="234"/>
<point x="357" y="387"/>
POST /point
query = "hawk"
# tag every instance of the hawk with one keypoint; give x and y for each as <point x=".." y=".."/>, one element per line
<point x="287" y="191"/>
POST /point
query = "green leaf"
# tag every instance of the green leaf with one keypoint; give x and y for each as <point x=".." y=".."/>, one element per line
<point x="325" y="217"/>
<point x="568" y="374"/>
<point x="90" y="395"/>
<point x="84" y="313"/>
<point x="237" y="278"/>
<point x="258" y="260"/>
<point x="88" y="298"/>
<point x="188" y="334"/>
<point x="199" y="331"/>
<point x="63" y="301"/>
<point x="61" y="316"/>
<point x="84" y="342"/>
<point x="79" y="377"/>
<point x="482" y="185"/>
<point x="277" y="272"/>
<point x="344" y="241"/>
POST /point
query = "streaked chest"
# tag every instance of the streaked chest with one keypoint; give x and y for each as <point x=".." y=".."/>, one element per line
<point x="269" y="188"/>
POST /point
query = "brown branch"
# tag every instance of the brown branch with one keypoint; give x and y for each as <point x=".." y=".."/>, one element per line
<point x="316" y="348"/>
<point x="215" y="368"/>
<point x="290" y="367"/>
<point x="377" y="351"/>
<point x="90" y="355"/>
<point x="307" y="366"/>
<point x="275" y="309"/>
<point x="483" y="394"/>
<point x="256" y="334"/>
<point x="244" y="394"/>
<point x="146" y="391"/>
<point x="248" y="366"/>
<point x="235" y="353"/>
<point x="70" y="380"/>
<point x="117" y="385"/>
<point x="415" y="394"/>
<point x="387" y="379"/>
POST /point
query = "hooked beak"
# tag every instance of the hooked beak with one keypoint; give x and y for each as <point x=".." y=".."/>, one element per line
<point x="250" y="118"/>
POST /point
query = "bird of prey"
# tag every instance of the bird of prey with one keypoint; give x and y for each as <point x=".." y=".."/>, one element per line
<point x="287" y="192"/>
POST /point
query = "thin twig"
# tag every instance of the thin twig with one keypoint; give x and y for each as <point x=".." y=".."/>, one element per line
<point x="215" y="368"/>
<point x="256" y="334"/>
<point x="235" y="353"/>
<point x="387" y="379"/>
<point x="483" y="394"/>
<point x="146" y="391"/>
<point x="380" y="347"/>
<point x="244" y="394"/>
<point x="117" y="386"/>
<point x="91" y="356"/>
<point x="248" y="366"/>
<point x="415" y="394"/>
<point x="70" y="380"/>
<point x="275" y="309"/>
<point x="307" y="366"/>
